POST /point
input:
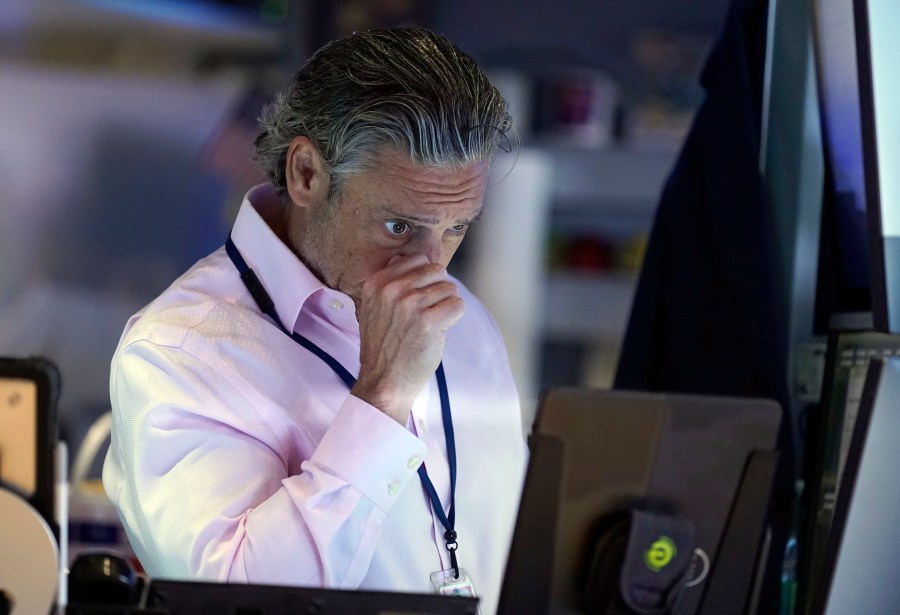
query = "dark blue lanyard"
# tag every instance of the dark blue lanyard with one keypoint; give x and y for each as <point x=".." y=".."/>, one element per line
<point x="265" y="303"/>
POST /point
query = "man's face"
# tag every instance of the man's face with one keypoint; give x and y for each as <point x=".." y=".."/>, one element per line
<point x="395" y="208"/>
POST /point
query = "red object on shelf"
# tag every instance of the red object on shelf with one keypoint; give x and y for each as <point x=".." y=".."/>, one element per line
<point x="588" y="253"/>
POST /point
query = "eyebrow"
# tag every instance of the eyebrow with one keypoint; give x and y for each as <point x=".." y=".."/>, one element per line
<point x="426" y="220"/>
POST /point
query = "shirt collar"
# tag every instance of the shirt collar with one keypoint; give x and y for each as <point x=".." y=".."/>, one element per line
<point x="285" y="277"/>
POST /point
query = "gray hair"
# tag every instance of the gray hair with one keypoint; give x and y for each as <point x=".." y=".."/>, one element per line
<point x="406" y="87"/>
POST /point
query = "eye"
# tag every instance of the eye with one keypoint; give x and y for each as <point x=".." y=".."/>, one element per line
<point x="397" y="228"/>
<point x="459" y="228"/>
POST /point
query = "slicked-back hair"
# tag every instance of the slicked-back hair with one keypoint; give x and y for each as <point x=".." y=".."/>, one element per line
<point x="408" y="88"/>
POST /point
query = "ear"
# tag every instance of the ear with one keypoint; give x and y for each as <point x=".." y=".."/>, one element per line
<point x="307" y="181"/>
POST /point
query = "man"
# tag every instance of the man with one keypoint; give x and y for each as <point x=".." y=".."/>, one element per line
<point x="320" y="403"/>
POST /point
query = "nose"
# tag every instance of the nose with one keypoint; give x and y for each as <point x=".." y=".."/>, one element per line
<point x="432" y="247"/>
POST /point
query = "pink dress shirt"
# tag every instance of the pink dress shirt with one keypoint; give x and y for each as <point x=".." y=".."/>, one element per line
<point x="238" y="455"/>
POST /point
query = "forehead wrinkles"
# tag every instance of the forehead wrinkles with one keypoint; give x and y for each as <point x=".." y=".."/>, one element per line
<point x="426" y="185"/>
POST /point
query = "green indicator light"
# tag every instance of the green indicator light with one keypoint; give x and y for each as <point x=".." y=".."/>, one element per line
<point x="660" y="554"/>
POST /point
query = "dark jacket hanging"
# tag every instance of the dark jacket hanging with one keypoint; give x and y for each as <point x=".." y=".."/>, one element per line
<point x="708" y="314"/>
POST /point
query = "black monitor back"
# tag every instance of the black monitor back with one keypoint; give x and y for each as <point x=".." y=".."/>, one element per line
<point x="680" y="455"/>
<point x="202" y="598"/>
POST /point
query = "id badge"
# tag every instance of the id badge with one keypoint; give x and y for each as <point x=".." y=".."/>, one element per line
<point x="446" y="584"/>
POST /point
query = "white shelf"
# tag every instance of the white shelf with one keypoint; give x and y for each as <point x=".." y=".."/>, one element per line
<point x="587" y="307"/>
<point x="591" y="178"/>
<point x="609" y="185"/>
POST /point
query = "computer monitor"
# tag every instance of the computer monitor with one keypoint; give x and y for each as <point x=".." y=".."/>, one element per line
<point x="859" y="104"/>
<point x="859" y="573"/>
<point x="844" y="281"/>
<point x="599" y="456"/>
<point x="830" y="428"/>
<point x="29" y="393"/>
<point x="878" y="48"/>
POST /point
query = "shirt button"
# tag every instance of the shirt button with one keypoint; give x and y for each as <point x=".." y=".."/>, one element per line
<point x="393" y="489"/>
<point x="335" y="304"/>
<point x="414" y="462"/>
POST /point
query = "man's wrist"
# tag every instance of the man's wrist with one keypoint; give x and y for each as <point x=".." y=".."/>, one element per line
<point x="395" y="406"/>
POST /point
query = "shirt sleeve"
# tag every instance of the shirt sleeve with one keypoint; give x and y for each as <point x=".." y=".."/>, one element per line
<point x="203" y="487"/>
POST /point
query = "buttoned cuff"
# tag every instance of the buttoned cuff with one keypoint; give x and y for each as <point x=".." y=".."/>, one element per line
<point x="371" y="451"/>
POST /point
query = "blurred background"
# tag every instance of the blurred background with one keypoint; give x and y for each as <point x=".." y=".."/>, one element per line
<point x="125" y="143"/>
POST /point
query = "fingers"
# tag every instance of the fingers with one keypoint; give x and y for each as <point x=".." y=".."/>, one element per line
<point x="436" y="306"/>
<point x="400" y="264"/>
<point x="405" y="275"/>
<point x="448" y="312"/>
<point x="414" y="268"/>
<point x="405" y="312"/>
